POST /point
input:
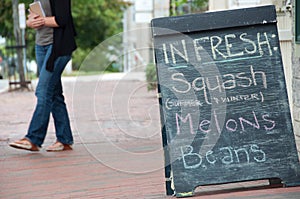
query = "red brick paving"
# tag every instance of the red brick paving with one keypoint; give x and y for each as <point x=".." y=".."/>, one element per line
<point x="117" y="151"/>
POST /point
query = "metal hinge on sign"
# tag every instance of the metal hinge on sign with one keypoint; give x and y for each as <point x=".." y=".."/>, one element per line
<point x="158" y="95"/>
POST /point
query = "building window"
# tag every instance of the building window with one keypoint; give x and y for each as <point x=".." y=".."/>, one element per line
<point x="143" y="11"/>
<point x="243" y="3"/>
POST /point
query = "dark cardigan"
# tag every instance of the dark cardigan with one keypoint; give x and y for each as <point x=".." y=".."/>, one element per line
<point x="64" y="35"/>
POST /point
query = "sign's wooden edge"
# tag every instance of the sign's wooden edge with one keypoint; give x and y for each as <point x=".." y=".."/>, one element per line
<point x="213" y="20"/>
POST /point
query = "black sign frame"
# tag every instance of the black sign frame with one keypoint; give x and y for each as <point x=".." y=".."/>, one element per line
<point x="297" y="21"/>
<point x="223" y="101"/>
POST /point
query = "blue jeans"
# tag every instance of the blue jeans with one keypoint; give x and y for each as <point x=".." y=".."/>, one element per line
<point x="50" y="99"/>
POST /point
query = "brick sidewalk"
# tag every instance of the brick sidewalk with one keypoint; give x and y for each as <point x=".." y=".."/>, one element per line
<point x="117" y="151"/>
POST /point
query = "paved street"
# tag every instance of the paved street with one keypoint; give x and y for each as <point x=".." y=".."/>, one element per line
<point x="117" y="151"/>
<point x="3" y="85"/>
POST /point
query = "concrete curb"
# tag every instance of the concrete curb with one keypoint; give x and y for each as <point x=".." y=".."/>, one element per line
<point x="130" y="76"/>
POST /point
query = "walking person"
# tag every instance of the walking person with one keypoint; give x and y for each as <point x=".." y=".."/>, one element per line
<point x="55" y="43"/>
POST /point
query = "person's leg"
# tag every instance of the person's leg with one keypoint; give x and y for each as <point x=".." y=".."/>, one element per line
<point x="60" y="116"/>
<point x="38" y="127"/>
<point x="39" y="123"/>
<point x="59" y="111"/>
<point x="45" y="93"/>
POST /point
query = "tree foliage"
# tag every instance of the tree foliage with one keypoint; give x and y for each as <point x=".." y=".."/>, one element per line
<point x="95" y="20"/>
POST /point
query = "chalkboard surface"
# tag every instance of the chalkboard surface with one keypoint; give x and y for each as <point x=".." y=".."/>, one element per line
<point x="224" y="106"/>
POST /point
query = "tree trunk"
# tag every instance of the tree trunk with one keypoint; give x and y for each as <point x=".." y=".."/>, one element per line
<point x="18" y="37"/>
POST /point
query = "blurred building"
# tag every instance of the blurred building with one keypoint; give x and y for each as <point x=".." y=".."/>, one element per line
<point x="288" y="17"/>
<point x="137" y="35"/>
<point x="284" y="18"/>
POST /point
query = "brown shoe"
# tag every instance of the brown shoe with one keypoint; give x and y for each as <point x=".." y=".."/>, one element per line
<point x="24" y="144"/>
<point x="58" y="146"/>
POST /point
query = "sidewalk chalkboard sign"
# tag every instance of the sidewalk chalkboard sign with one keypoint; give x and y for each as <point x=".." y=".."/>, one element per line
<point x="224" y="106"/>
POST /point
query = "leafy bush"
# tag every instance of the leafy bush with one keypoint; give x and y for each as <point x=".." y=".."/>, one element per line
<point x="151" y="76"/>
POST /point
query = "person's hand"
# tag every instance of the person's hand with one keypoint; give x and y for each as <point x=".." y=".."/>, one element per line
<point x="35" y="21"/>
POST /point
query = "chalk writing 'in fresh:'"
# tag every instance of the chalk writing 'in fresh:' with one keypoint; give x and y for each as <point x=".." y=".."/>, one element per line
<point x="220" y="47"/>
